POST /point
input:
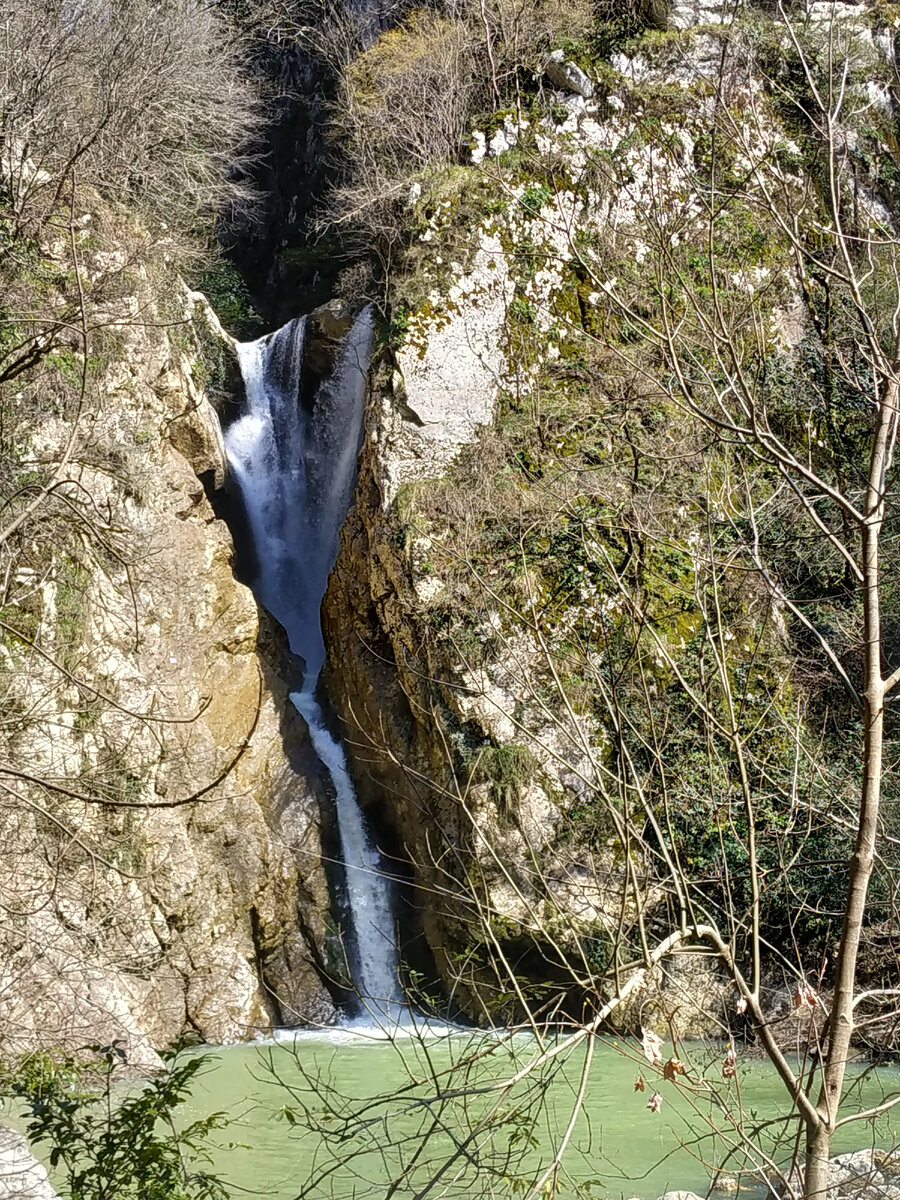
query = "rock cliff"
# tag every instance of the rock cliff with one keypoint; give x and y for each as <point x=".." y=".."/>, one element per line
<point x="518" y="458"/>
<point x="160" y="870"/>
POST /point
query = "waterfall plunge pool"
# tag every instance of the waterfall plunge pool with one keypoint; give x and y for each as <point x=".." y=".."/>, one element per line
<point x="342" y="1113"/>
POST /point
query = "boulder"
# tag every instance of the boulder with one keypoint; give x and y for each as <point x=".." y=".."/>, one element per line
<point x="858" y="1169"/>
<point x="857" y="1175"/>
<point x="326" y="330"/>
<point x="568" y="76"/>
<point x="21" y="1175"/>
<point x="686" y="14"/>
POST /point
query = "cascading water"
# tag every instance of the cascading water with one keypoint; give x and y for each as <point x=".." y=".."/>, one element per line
<point x="296" y="467"/>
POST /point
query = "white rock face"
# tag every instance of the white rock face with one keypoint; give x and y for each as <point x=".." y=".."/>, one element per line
<point x="502" y="139"/>
<point x="857" y="1168"/>
<point x="685" y="14"/>
<point x="448" y="371"/>
<point x="136" y="922"/>
<point x="835" y="10"/>
<point x="568" y="76"/>
<point x="22" y="1177"/>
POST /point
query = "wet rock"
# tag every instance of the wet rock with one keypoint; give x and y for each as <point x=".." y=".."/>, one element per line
<point x="326" y="329"/>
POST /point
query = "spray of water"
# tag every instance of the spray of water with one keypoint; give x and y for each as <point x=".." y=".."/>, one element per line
<point x="295" y="466"/>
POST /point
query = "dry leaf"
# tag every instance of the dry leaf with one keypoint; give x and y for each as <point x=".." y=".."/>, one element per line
<point x="672" y="1068"/>
<point x="655" y="1102"/>
<point x="639" y="1084"/>
<point x="741" y="1006"/>
<point x="652" y="1045"/>
<point x="729" y="1068"/>
<point x="805" y="997"/>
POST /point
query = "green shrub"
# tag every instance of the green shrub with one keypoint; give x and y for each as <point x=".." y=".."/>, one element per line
<point x="508" y="769"/>
<point x="405" y="105"/>
<point x="230" y="297"/>
<point x="109" y="1143"/>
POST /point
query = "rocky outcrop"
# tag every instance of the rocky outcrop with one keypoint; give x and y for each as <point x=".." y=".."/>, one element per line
<point x="568" y="76"/>
<point x="869" y="1174"/>
<point x="686" y="14"/>
<point x="160" y="862"/>
<point x="445" y="374"/>
<point x="463" y="744"/>
<point x="420" y="720"/>
<point x="22" y="1177"/>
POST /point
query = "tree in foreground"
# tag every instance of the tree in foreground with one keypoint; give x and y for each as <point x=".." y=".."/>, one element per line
<point x="104" y="1138"/>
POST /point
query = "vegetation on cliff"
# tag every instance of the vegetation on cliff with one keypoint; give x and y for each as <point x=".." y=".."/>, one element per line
<point x="639" y="628"/>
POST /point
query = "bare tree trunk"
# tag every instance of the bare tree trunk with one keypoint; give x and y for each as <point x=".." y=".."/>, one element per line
<point x="840" y="1025"/>
<point x="818" y="1148"/>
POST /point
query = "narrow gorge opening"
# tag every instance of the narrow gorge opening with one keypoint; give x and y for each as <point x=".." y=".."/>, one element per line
<point x="292" y="453"/>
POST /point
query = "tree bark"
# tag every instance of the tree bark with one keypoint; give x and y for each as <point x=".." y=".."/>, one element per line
<point x="840" y="1024"/>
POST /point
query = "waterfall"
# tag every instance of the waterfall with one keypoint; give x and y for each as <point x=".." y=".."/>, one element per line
<point x="295" y="465"/>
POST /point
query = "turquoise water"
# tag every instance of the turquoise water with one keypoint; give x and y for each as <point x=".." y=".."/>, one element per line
<point x="348" y="1114"/>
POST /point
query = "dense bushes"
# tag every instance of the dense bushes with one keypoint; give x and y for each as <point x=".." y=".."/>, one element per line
<point x="103" y="1141"/>
<point x="142" y="99"/>
<point x="404" y="105"/>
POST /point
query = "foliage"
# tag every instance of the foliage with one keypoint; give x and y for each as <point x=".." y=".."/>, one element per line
<point x="671" y="574"/>
<point x="109" y="1141"/>
<point x="229" y="296"/>
<point x="405" y="104"/>
<point x="508" y="768"/>
<point x="143" y="100"/>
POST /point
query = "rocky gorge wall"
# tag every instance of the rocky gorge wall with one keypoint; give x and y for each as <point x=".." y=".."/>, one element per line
<point x="194" y="899"/>
<point x="464" y="742"/>
<point x="142" y="915"/>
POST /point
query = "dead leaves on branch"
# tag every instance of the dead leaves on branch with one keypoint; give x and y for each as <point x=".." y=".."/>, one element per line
<point x="673" y="1068"/>
<point x="652" y="1045"/>
<point x="805" y="996"/>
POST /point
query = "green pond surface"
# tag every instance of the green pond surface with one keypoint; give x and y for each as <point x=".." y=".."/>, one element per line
<point x="344" y="1113"/>
<point x="347" y="1113"/>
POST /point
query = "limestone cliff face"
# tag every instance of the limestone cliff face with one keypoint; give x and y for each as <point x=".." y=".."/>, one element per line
<point x="468" y="748"/>
<point x="429" y="729"/>
<point x="193" y="899"/>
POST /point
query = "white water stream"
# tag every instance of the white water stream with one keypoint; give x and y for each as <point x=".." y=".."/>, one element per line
<point x="296" y="468"/>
